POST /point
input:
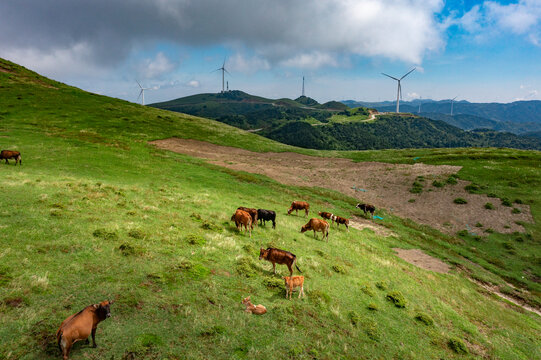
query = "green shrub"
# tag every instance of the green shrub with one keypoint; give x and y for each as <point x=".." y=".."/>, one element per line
<point x="273" y="283"/>
<point x="354" y="318"/>
<point x="105" y="234"/>
<point x="367" y="289"/>
<point x="492" y="195"/>
<point x="411" y="200"/>
<point x="489" y="231"/>
<point x="371" y="329"/>
<point x="437" y="184"/>
<point x="479" y="225"/>
<point x="397" y="299"/>
<point x="127" y="249"/>
<point x="489" y="206"/>
<point x="472" y="188"/>
<point x="451" y="180"/>
<point x="136" y="234"/>
<point x="319" y="297"/>
<point x="195" y="239"/>
<point x="245" y="266"/>
<point x="460" y="201"/>
<point x="338" y="269"/>
<point x="515" y="211"/>
<point x="424" y="318"/>
<point x="382" y="285"/>
<point x="462" y="233"/>
<point x="506" y="202"/>
<point x="215" y="330"/>
<point x="518" y="201"/>
<point x="457" y="346"/>
<point x="373" y="306"/>
<point x="512" y="184"/>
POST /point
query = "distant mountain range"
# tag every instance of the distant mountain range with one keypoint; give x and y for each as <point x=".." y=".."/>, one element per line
<point x="518" y="117"/>
<point x="334" y="125"/>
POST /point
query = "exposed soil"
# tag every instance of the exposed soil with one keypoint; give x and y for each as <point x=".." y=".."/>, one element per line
<point x="383" y="185"/>
<point x="422" y="260"/>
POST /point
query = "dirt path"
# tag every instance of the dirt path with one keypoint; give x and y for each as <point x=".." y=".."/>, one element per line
<point x="384" y="185"/>
<point x="422" y="260"/>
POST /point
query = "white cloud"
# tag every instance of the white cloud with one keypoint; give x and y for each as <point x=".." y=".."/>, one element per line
<point x="247" y="65"/>
<point x="193" y="83"/>
<point x="156" y="68"/>
<point x="312" y="60"/>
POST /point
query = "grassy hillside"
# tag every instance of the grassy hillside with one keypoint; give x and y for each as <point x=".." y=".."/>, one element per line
<point x="95" y="212"/>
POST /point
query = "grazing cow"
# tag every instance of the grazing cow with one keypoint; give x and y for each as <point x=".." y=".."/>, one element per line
<point x="81" y="325"/>
<point x="340" y="220"/>
<point x="253" y="309"/>
<point x="317" y="225"/>
<point x="10" y="154"/>
<point x="241" y="217"/>
<point x="279" y="256"/>
<point x="266" y="215"/>
<point x="252" y="212"/>
<point x="367" y="208"/>
<point x="299" y="205"/>
<point x="325" y="215"/>
<point x="292" y="282"/>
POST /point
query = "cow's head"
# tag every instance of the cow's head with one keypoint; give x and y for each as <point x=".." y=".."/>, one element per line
<point x="263" y="253"/>
<point x="304" y="228"/>
<point x="103" y="309"/>
<point x="289" y="210"/>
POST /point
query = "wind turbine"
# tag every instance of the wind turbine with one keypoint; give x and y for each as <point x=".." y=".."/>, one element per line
<point x="303" y="86"/>
<point x="223" y="69"/>
<point x="420" y="102"/>
<point x="142" y="93"/>
<point x="452" y="101"/>
<point x="399" y="91"/>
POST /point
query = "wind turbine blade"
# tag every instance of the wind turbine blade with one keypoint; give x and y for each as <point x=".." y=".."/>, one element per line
<point x="138" y="84"/>
<point x="390" y="76"/>
<point x="455" y="98"/>
<point x="227" y="71"/>
<point x="140" y="92"/>
<point x="408" y="73"/>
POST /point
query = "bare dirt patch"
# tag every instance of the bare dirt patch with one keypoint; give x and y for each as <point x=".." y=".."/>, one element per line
<point x="422" y="260"/>
<point x="384" y="185"/>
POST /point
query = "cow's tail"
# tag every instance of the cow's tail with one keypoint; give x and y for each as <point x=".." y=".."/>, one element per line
<point x="296" y="265"/>
<point x="59" y="339"/>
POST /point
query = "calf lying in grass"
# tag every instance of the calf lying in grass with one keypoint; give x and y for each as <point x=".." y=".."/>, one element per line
<point x="253" y="309"/>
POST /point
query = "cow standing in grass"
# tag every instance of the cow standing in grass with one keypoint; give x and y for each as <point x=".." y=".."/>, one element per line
<point x="81" y="325"/>
<point x="340" y="220"/>
<point x="277" y="256"/>
<point x="325" y="215"/>
<point x="266" y="215"/>
<point x="367" y="208"/>
<point x="317" y="225"/>
<point x="241" y="217"/>
<point x="293" y="282"/>
<point x="252" y="212"/>
<point x="299" y="205"/>
<point x="10" y="154"/>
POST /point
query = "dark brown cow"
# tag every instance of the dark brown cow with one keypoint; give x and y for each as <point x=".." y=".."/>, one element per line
<point x="367" y="208"/>
<point x="81" y="325"/>
<point x="241" y="217"/>
<point x="299" y="205"/>
<point x="325" y="215"/>
<point x="317" y="225"/>
<point x="10" y="154"/>
<point x="340" y="220"/>
<point x="279" y="256"/>
<point x="252" y="212"/>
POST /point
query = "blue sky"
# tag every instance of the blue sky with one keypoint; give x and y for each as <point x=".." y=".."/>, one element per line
<point x="480" y="51"/>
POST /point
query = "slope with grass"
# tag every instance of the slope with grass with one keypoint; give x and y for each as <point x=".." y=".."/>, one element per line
<point x="95" y="213"/>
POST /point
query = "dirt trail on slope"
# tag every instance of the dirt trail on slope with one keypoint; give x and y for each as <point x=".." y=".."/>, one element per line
<point x="384" y="185"/>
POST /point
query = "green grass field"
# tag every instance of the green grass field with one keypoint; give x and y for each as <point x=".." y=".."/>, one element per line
<point x="95" y="212"/>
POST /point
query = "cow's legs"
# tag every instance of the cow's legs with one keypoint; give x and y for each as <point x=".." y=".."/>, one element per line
<point x="94" y="338"/>
<point x="274" y="268"/>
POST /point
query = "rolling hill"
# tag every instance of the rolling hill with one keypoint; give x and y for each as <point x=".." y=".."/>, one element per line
<point x="97" y="212"/>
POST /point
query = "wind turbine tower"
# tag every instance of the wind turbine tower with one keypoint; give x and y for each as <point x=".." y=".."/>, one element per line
<point x="452" y="101"/>
<point x="223" y="69"/>
<point x="142" y="93"/>
<point x="303" y="86"/>
<point x="420" y="102"/>
<point x="399" y="90"/>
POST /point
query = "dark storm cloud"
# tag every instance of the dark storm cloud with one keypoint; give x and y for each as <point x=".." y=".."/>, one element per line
<point x="277" y="30"/>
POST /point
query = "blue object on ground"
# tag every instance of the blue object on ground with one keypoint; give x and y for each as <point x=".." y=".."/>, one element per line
<point x="416" y="158"/>
<point x="378" y="217"/>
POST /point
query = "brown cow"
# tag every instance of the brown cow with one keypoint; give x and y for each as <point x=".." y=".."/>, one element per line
<point x="252" y="212"/>
<point x="10" y="154"/>
<point x="367" y="208"/>
<point x="325" y="215"/>
<point x="279" y="256"/>
<point x="299" y="205"/>
<point x="292" y="282"/>
<point x="240" y="218"/>
<point x="340" y="220"/>
<point x="81" y="325"/>
<point x="317" y="225"/>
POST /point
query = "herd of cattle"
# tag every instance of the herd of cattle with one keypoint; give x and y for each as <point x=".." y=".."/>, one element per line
<point x="83" y="324"/>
